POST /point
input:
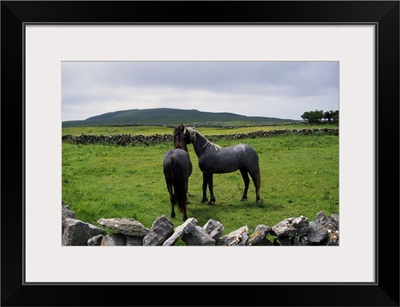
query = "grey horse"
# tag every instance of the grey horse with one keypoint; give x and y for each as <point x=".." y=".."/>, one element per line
<point x="177" y="169"/>
<point x="214" y="159"/>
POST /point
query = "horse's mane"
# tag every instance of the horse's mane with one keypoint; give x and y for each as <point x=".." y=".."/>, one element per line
<point x="208" y="143"/>
<point x="179" y="138"/>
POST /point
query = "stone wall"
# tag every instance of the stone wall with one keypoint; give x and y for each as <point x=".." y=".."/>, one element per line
<point x="294" y="231"/>
<point x="127" y="139"/>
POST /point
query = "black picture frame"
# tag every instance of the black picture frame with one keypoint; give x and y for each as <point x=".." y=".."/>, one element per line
<point x="383" y="14"/>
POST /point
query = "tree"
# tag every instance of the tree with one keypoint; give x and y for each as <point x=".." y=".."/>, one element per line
<point x="335" y="117"/>
<point x="328" y="116"/>
<point x="313" y="117"/>
<point x="332" y="116"/>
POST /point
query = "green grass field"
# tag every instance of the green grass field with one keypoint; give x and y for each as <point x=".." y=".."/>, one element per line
<point x="299" y="176"/>
<point x="151" y="130"/>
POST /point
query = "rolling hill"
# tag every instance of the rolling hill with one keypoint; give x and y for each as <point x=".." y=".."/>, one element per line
<point x="167" y="116"/>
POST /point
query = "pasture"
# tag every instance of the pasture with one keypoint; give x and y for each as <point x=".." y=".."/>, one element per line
<point x="299" y="176"/>
<point x="151" y="130"/>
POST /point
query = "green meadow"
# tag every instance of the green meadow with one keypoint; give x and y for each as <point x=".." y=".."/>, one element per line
<point x="299" y="176"/>
<point x="151" y="130"/>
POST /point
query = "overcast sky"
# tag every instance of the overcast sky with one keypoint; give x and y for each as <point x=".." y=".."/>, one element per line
<point x="272" y="89"/>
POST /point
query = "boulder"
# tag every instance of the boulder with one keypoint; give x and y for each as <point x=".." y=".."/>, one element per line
<point x="116" y="239"/>
<point x="214" y="229"/>
<point x="198" y="237"/>
<point x="134" y="241"/>
<point x="125" y="226"/>
<point x="235" y="238"/>
<point x="187" y="227"/>
<point x="317" y="233"/>
<point x="334" y="219"/>
<point x="283" y="241"/>
<point x="258" y="237"/>
<point x="66" y="213"/>
<point x="78" y="232"/>
<point x="160" y="231"/>
<point x="291" y="227"/>
<point x="95" y="241"/>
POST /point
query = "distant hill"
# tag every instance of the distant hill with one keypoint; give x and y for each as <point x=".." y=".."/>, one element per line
<point x="167" y="116"/>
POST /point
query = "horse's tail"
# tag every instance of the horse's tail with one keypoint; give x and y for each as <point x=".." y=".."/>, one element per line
<point x="253" y="167"/>
<point x="181" y="195"/>
<point x="257" y="176"/>
<point x="257" y="179"/>
<point x="179" y="180"/>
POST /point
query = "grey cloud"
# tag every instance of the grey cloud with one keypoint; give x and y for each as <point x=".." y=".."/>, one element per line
<point x="99" y="83"/>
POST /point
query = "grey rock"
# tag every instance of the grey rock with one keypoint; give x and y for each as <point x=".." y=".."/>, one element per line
<point x="291" y="227"/>
<point x="214" y="229"/>
<point x="160" y="231"/>
<point x="125" y="226"/>
<point x="78" y="232"/>
<point x="334" y="219"/>
<point x="303" y="240"/>
<point x="283" y="241"/>
<point x="198" y="237"/>
<point x="116" y="239"/>
<point x="134" y="241"/>
<point x="238" y="237"/>
<point x="296" y="241"/>
<point x="321" y="218"/>
<point x="333" y="238"/>
<point x="317" y="233"/>
<point x="95" y="241"/>
<point x="187" y="227"/>
<point x="263" y="242"/>
<point x="333" y="235"/>
<point x="258" y="236"/>
<point x="66" y="213"/>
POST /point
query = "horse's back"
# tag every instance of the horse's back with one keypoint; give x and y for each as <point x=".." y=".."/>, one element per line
<point x="240" y="152"/>
<point x="177" y="159"/>
<point x="250" y="156"/>
<point x="228" y="159"/>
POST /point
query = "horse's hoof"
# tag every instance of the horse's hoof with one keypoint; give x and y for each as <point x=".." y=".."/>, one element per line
<point x="210" y="203"/>
<point x="244" y="198"/>
<point x="204" y="201"/>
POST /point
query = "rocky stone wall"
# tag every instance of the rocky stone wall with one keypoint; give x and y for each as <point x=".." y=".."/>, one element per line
<point x="127" y="139"/>
<point x="294" y="231"/>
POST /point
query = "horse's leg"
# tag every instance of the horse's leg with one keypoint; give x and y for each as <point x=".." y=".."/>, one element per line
<point x="211" y="188"/>
<point x="246" y="180"/>
<point x="184" y="213"/>
<point x="187" y="191"/>
<point x="171" y="198"/>
<point x="182" y="206"/>
<point x="257" y="182"/>
<point x="205" y="182"/>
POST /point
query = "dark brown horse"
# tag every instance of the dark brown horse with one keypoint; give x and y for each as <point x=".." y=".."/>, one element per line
<point x="177" y="169"/>
<point x="214" y="159"/>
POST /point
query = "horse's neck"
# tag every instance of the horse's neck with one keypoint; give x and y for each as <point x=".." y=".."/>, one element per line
<point x="178" y="143"/>
<point x="201" y="143"/>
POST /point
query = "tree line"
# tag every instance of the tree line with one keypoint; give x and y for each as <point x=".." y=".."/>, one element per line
<point x="319" y="117"/>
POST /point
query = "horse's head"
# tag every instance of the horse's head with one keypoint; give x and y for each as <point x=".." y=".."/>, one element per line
<point x="190" y="134"/>
<point x="180" y="139"/>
